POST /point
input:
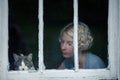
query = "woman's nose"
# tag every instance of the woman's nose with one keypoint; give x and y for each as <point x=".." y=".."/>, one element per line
<point x="63" y="46"/>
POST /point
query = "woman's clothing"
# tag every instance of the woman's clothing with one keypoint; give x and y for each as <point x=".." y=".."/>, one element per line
<point x="92" y="62"/>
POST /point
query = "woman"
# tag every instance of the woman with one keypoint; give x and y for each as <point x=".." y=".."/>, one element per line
<point x="87" y="60"/>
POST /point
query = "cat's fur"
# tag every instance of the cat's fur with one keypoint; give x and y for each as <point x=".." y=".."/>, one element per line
<point x="23" y="62"/>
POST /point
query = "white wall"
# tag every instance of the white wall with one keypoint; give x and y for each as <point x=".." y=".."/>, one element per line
<point x="3" y="39"/>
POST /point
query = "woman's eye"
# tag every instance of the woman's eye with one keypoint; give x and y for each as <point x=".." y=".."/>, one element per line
<point x="70" y="43"/>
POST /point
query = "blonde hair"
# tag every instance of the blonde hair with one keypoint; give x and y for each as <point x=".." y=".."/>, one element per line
<point x="85" y="38"/>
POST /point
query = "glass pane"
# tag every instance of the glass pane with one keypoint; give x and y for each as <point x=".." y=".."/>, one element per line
<point x="57" y="13"/>
<point x="23" y="31"/>
<point x="95" y="14"/>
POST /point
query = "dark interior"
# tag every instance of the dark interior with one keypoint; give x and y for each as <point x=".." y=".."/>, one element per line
<point x="23" y="27"/>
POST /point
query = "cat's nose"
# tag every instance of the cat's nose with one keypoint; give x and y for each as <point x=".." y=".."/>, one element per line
<point x="23" y="69"/>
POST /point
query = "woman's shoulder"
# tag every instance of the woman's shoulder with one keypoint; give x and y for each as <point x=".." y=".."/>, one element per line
<point x="91" y="55"/>
<point x="69" y="64"/>
<point x="94" y="61"/>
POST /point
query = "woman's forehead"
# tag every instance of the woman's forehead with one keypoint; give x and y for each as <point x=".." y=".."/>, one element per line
<point x="66" y="37"/>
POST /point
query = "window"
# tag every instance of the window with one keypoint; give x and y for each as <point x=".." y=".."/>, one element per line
<point x="113" y="47"/>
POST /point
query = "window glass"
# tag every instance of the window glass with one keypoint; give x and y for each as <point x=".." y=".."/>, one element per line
<point x="23" y="30"/>
<point x="57" y="13"/>
<point x="95" y="14"/>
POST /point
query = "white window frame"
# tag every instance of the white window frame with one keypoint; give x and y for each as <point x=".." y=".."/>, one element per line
<point x="111" y="72"/>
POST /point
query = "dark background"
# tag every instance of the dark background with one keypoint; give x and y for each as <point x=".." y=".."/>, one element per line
<point x="23" y="27"/>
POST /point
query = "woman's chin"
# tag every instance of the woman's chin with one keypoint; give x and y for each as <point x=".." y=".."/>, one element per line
<point x="66" y="56"/>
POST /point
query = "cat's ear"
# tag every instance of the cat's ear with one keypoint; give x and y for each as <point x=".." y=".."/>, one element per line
<point x="15" y="56"/>
<point x="30" y="56"/>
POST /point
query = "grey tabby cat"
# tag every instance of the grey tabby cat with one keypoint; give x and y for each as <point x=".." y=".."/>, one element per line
<point x="23" y="63"/>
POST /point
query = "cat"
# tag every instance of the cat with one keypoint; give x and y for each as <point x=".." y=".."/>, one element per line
<point x="23" y="63"/>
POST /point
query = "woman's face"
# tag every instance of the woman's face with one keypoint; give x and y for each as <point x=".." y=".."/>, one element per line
<point x="67" y="45"/>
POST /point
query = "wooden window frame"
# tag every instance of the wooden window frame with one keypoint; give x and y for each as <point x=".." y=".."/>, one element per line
<point x="111" y="72"/>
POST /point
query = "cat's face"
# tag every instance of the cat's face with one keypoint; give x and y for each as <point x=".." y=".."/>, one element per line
<point x="23" y="62"/>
